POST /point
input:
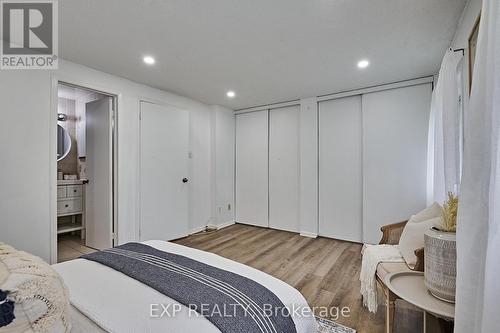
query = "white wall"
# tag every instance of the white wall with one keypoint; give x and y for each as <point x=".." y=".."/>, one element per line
<point x="200" y="210"/>
<point x="25" y="141"/>
<point x="466" y="23"/>
<point x="223" y="165"/>
<point x="24" y="164"/>
<point x="461" y="39"/>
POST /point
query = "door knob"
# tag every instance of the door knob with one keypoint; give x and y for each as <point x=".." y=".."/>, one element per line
<point x="185" y="180"/>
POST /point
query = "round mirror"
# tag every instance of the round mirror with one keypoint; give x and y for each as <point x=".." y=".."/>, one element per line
<point x="63" y="143"/>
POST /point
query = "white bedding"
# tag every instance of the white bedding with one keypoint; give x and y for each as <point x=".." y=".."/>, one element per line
<point x="120" y="304"/>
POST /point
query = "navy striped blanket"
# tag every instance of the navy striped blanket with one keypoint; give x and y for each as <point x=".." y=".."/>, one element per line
<point x="233" y="303"/>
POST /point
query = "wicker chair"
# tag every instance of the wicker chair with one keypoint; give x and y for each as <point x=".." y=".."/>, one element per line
<point x="391" y="234"/>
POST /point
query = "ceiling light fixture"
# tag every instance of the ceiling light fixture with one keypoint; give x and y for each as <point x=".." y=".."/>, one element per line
<point x="230" y="94"/>
<point x="363" y="63"/>
<point x="149" y="60"/>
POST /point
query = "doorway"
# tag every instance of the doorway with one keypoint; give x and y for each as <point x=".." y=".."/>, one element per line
<point x="85" y="171"/>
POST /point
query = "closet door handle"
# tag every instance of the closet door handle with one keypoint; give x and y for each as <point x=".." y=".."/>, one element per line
<point x="185" y="180"/>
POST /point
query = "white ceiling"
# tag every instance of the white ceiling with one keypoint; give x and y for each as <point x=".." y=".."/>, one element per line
<point x="265" y="50"/>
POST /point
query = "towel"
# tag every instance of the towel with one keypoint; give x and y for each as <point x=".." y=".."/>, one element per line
<point x="372" y="256"/>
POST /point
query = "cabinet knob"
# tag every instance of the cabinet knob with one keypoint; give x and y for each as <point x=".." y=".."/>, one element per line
<point x="185" y="180"/>
<point x="66" y="206"/>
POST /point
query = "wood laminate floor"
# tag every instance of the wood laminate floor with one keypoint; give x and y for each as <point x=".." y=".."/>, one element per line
<point x="70" y="247"/>
<point x="325" y="271"/>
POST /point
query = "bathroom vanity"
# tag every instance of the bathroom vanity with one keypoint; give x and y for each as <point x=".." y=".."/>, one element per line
<point x="71" y="203"/>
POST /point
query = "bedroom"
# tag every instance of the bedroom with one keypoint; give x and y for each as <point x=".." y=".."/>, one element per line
<point x="280" y="135"/>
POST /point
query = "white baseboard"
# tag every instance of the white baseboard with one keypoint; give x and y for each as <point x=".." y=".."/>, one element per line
<point x="308" y="234"/>
<point x="226" y="224"/>
<point x="196" y="230"/>
<point x="212" y="226"/>
<point x="221" y="225"/>
<point x="231" y="222"/>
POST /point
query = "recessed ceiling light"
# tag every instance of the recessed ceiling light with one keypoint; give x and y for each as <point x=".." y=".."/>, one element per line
<point x="363" y="63"/>
<point x="149" y="60"/>
<point x="230" y="94"/>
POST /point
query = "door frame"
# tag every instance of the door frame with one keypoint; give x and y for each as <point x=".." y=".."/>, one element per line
<point x="117" y="102"/>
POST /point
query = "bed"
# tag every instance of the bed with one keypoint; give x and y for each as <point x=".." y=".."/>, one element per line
<point x="106" y="300"/>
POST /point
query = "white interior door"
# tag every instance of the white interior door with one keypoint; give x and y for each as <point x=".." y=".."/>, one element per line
<point x="252" y="168"/>
<point x="284" y="168"/>
<point x="164" y="172"/>
<point x="99" y="190"/>
<point x="395" y="128"/>
<point x="340" y="173"/>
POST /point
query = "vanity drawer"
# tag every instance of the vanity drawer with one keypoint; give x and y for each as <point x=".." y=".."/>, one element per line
<point x="69" y="206"/>
<point x="61" y="192"/>
<point x="73" y="191"/>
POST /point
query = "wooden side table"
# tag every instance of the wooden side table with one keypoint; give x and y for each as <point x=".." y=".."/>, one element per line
<point x="410" y="287"/>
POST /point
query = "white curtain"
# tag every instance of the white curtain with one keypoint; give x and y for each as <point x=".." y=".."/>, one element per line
<point x="443" y="157"/>
<point x="478" y="234"/>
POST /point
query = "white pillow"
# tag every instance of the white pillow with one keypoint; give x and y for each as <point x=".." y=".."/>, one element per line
<point x="434" y="210"/>
<point x="412" y="239"/>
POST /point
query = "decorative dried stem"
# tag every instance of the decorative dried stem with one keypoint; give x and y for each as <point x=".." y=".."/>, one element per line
<point x="450" y="209"/>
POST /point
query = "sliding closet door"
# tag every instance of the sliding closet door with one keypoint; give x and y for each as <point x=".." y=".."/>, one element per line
<point x="340" y="173"/>
<point x="395" y="127"/>
<point x="164" y="172"/>
<point x="252" y="168"/>
<point x="284" y="168"/>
